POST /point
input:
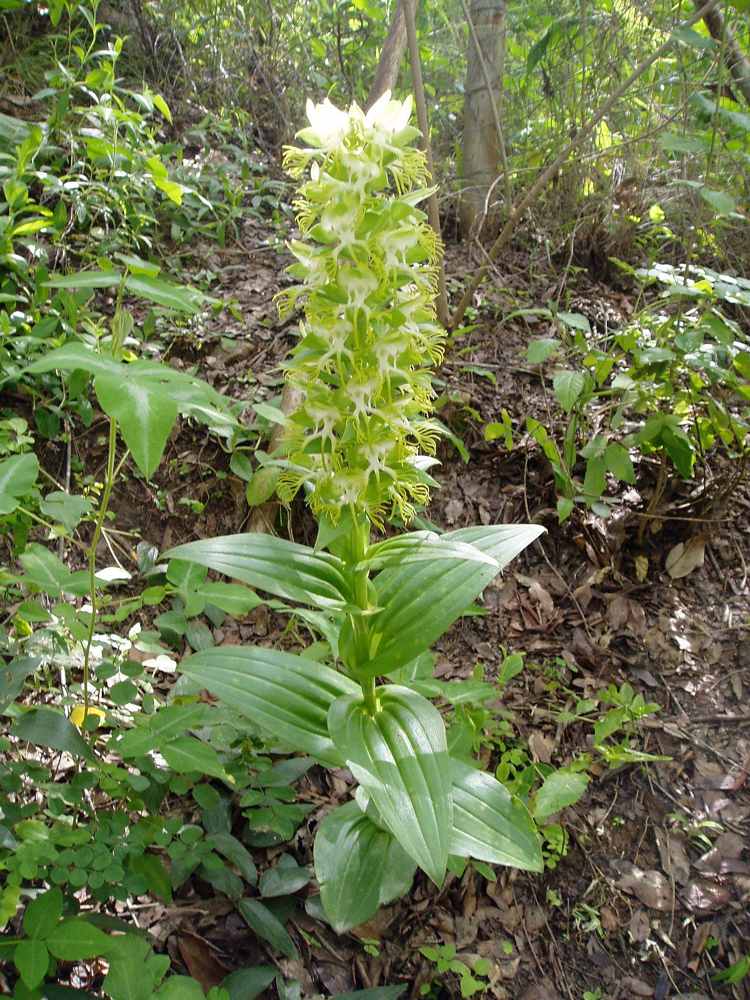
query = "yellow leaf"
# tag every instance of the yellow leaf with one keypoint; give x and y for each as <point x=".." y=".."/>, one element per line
<point x="78" y="715"/>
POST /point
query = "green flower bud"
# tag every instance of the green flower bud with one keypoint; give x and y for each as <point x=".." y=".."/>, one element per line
<point x="367" y="273"/>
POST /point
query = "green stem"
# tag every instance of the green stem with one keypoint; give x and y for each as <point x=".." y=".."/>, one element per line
<point x="359" y="543"/>
<point x="91" y="554"/>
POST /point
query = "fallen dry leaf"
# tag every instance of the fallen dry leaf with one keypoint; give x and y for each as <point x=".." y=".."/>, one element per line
<point x="703" y="896"/>
<point x="632" y="987"/>
<point x="639" y="926"/>
<point x="543" y="990"/>
<point x="685" y="557"/>
<point x="202" y="964"/>
<point x="673" y="855"/>
<point x="649" y="886"/>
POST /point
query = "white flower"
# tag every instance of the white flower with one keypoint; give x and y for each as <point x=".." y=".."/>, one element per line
<point x="329" y="123"/>
<point x="389" y="116"/>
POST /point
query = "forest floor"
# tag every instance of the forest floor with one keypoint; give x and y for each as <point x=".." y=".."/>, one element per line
<point x="652" y="888"/>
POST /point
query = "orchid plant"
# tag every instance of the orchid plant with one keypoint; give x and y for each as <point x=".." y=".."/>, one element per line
<point x="360" y="447"/>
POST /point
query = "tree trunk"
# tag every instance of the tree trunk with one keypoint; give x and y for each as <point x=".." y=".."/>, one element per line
<point x="736" y="60"/>
<point x="386" y="75"/>
<point x="482" y="153"/>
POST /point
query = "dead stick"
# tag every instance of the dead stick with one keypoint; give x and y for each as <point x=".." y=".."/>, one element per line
<point x="419" y="98"/>
<point x="547" y="174"/>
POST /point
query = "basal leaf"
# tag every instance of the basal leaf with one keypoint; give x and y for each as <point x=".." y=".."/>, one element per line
<point x="400" y="756"/>
<point x="353" y="861"/>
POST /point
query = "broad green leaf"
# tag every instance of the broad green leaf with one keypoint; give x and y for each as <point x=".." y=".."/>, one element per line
<point x="180" y="988"/>
<point x="66" y="508"/>
<point x="560" y="789"/>
<point x="673" y="142"/>
<point x="420" y="602"/>
<point x="75" y="939"/>
<point x="76" y="357"/>
<point x="85" y="279"/>
<point x="285" y="878"/>
<point x="595" y="479"/>
<point x="145" y="415"/>
<point x="236" y="852"/>
<point x="540" y="349"/>
<point x="353" y="858"/>
<point x="489" y="824"/>
<point x="12" y="678"/>
<point x="43" y="913"/>
<point x="421" y="546"/>
<point x="576" y="321"/>
<point x="153" y="871"/>
<point x="162" y="728"/>
<point x="286" y="695"/>
<point x="274" y="565"/>
<point x="247" y="984"/>
<point x="162" y="106"/>
<point x="400" y="756"/>
<point x="17" y="478"/>
<point x="31" y="958"/>
<point x="568" y="386"/>
<point x="267" y="926"/>
<point x="46" y="727"/>
<point x="187" y="754"/>
<point x="45" y="570"/>
<point x="680" y="450"/>
<point x="164" y="293"/>
<point x="137" y="265"/>
<point x="619" y="463"/>
<point x="230" y="597"/>
<point x="262" y="485"/>
<point x="134" y="970"/>
<point x="721" y="201"/>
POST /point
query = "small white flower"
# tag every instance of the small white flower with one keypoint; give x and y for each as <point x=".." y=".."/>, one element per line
<point x="389" y="116"/>
<point x="329" y="123"/>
